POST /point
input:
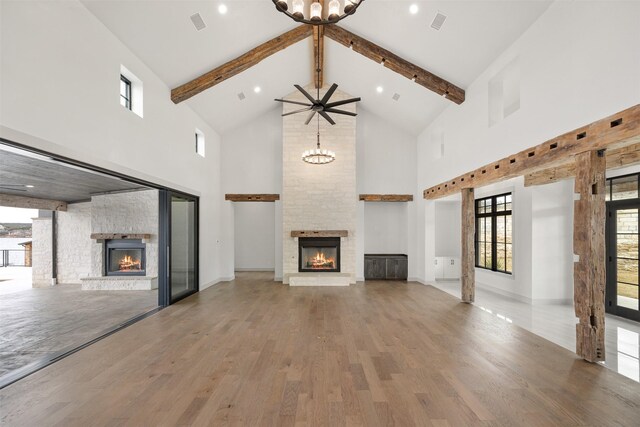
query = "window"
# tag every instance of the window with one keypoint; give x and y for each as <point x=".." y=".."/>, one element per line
<point x="199" y="143"/>
<point x="494" y="225"/>
<point x="125" y="92"/>
<point x="622" y="188"/>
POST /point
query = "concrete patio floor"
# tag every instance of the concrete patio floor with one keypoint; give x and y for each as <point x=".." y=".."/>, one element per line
<point x="38" y="322"/>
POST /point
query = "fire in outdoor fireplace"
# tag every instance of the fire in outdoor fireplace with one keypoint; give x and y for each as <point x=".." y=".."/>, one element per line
<point x="128" y="263"/>
<point x="321" y="262"/>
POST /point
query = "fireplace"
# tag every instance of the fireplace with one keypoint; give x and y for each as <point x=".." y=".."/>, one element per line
<point x="124" y="257"/>
<point x="319" y="254"/>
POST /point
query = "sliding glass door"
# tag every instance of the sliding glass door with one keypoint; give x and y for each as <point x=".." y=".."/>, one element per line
<point x="179" y="214"/>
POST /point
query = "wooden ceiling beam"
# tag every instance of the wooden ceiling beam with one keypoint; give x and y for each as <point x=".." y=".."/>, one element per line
<point x="386" y="197"/>
<point x="318" y="56"/>
<point x="252" y="197"/>
<point x="395" y="63"/>
<point x="25" y="202"/>
<point x="617" y="158"/>
<point x="613" y="132"/>
<point x="240" y="64"/>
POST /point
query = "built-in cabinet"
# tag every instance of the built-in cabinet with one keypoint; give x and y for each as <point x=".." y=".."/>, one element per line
<point x="385" y="267"/>
<point x="447" y="268"/>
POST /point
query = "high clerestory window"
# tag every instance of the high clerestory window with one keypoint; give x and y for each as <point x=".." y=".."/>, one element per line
<point x="125" y="92"/>
<point x="494" y="230"/>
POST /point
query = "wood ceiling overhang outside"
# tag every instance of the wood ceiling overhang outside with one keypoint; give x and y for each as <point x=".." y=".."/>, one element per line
<point x="346" y="38"/>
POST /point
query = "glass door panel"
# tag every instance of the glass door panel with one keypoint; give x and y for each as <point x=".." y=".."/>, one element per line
<point x="623" y="276"/>
<point x="183" y="246"/>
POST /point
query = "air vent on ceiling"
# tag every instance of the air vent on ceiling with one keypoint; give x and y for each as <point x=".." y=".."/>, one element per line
<point x="241" y="96"/>
<point x="198" y="22"/>
<point x="396" y="96"/>
<point x="438" y="21"/>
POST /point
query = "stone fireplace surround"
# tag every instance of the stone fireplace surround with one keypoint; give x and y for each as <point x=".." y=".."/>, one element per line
<point x="319" y="197"/>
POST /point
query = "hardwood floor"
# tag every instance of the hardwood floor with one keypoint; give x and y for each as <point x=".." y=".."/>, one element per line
<point x="255" y="352"/>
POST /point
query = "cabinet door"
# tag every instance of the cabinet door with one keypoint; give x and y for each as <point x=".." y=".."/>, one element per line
<point x="374" y="268"/>
<point x="452" y="268"/>
<point x="397" y="268"/>
<point x="439" y="262"/>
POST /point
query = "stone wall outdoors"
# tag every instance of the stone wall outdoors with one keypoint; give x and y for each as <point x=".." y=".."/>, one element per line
<point x="73" y="246"/>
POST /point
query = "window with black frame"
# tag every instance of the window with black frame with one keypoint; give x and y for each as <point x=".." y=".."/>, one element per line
<point x="125" y="92"/>
<point x="494" y="231"/>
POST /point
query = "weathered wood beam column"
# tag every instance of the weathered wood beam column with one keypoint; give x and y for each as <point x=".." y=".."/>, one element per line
<point x="589" y="276"/>
<point x="468" y="273"/>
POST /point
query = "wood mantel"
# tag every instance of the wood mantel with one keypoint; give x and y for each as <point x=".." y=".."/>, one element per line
<point x="119" y="236"/>
<point x="319" y="233"/>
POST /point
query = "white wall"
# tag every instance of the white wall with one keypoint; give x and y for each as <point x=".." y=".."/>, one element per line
<point x="252" y="163"/>
<point x="59" y="78"/>
<point x="561" y="88"/>
<point x="386" y="165"/>
<point x="386" y="228"/>
<point x="254" y="236"/>
<point x="448" y="217"/>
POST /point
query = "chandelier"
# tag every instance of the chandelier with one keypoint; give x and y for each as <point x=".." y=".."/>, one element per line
<point x="310" y="11"/>
<point x="318" y="156"/>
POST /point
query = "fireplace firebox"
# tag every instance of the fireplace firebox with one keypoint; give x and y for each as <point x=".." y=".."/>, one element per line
<point x="319" y="254"/>
<point x="124" y="257"/>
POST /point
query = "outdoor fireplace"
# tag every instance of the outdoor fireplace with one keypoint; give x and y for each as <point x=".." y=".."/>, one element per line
<point x="319" y="254"/>
<point x="124" y="257"/>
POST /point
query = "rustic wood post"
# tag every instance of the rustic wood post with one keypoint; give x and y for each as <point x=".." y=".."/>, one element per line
<point x="468" y="246"/>
<point x="589" y="244"/>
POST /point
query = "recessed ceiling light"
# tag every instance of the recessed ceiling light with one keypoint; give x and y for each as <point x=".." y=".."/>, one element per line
<point x="379" y="89"/>
<point x="257" y="89"/>
<point x="413" y="9"/>
<point x="222" y="9"/>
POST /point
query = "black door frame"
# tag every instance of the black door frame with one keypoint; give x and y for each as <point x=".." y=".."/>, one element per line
<point x="611" y="292"/>
<point x="165" y="297"/>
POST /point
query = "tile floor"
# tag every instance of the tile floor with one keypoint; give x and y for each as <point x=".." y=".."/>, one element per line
<point x="556" y="323"/>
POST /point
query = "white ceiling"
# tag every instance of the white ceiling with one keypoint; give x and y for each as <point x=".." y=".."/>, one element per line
<point x="161" y="34"/>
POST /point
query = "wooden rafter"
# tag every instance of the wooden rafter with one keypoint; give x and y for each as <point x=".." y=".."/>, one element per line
<point x="616" y="131"/>
<point x="395" y="63"/>
<point x="318" y="56"/>
<point x="252" y="197"/>
<point x="617" y="158"/>
<point x="240" y="64"/>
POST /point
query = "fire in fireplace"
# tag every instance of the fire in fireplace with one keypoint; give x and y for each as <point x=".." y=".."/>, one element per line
<point x="319" y="254"/>
<point x="124" y="258"/>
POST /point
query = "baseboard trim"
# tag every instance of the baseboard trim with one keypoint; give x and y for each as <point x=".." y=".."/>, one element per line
<point x="418" y="280"/>
<point x="504" y="293"/>
<point x="254" y="269"/>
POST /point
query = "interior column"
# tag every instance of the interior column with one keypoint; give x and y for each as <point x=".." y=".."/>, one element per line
<point x="589" y="245"/>
<point x="467" y="265"/>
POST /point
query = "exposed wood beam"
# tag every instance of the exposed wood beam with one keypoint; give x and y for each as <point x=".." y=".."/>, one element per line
<point x="13" y="201"/>
<point x="240" y="64"/>
<point x="468" y="267"/>
<point x="588" y="243"/>
<point x="318" y="56"/>
<point x="618" y="158"/>
<point x="386" y="197"/>
<point x="616" y="131"/>
<point x="395" y="63"/>
<point x="120" y="236"/>
<point x="252" y="197"/>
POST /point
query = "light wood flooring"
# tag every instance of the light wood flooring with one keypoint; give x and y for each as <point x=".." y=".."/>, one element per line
<point x="255" y="352"/>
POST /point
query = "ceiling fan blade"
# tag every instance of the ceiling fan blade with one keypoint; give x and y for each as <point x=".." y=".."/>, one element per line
<point x="329" y="93"/>
<point x="305" y="93"/>
<point x="313" y="113"/>
<point x="293" y="102"/>
<point x="346" y="113"/>
<point x="296" y="111"/>
<point x="12" y="188"/>
<point x="326" y="116"/>
<point x="337" y="103"/>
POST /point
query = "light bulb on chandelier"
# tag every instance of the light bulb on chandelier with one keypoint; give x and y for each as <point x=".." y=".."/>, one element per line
<point x="315" y="14"/>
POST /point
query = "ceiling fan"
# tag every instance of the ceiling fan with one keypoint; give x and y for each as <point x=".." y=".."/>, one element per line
<point x="320" y="106"/>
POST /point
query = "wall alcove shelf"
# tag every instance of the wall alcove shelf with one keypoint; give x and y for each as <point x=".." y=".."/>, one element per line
<point x="319" y="233"/>
<point x="386" y="197"/>
<point x="252" y="197"/>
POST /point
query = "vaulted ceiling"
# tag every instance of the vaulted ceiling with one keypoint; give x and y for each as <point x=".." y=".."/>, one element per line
<point x="162" y="35"/>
